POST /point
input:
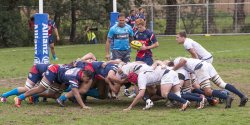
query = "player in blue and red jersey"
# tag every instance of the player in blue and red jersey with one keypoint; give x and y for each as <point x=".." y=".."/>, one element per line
<point x="59" y="74"/>
<point x="130" y="20"/>
<point x="148" y="40"/>
<point x="34" y="76"/>
<point x="52" y="27"/>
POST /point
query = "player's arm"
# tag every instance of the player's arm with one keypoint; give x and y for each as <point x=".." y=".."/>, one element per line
<point x="85" y="86"/>
<point x="107" y="49"/>
<point x="193" y="53"/>
<point x="136" y="100"/>
<point x="112" y="77"/>
<point x="114" y="87"/>
<point x="78" y="98"/>
<point x="181" y="63"/>
<point x="157" y="63"/>
<point x="88" y="56"/>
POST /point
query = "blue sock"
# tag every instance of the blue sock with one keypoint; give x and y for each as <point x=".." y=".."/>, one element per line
<point x="22" y="97"/>
<point x="63" y="98"/>
<point x="219" y="94"/>
<point x="68" y="89"/>
<point x="191" y="97"/>
<point x="93" y="93"/>
<point x="199" y="91"/>
<point x="176" y="98"/>
<point x="232" y="89"/>
<point x="10" y="93"/>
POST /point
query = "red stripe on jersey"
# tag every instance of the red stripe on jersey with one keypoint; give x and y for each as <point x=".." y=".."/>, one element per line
<point x="89" y="67"/>
<point x="152" y="36"/>
<point x="33" y="69"/>
<point x="54" y="68"/>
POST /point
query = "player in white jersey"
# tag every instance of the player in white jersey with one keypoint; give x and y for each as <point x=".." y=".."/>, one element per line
<point x="168" y="81"/>
<point x="194" y="48"/>
<point x="205" y="72"/>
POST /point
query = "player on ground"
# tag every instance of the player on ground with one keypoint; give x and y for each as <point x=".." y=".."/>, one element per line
<point x="168" y="80"/>
<point x="56" y="73"/>
<point x="34" y="76"/>
<point x="205" y="72"/>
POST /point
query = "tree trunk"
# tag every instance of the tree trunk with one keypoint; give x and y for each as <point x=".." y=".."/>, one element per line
<point x="239" y="15"/>
<point x="171" y="17"/>
<point x="73" y="19"/>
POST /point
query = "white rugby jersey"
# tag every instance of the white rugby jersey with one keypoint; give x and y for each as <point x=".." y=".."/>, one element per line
<point x="201" y="52"/>
<point x="190" y="64"/>
<point x="150" y="77"/>
<point x="134" y="67"/>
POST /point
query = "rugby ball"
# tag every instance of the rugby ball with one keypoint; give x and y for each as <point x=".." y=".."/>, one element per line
<point x="135" y="44"/>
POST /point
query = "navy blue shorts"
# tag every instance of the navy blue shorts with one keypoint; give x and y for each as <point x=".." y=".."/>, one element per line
<point x="147" y="59"/>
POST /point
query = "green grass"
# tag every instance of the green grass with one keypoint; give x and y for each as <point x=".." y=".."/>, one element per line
<point x="231" y="59"/>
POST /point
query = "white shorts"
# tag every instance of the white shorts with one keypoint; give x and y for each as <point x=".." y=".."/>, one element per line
<point x="29" y="85"/>
<point x="170" y="78"/>
<point x="202" y="74"/>
<point x="211" y="70"/>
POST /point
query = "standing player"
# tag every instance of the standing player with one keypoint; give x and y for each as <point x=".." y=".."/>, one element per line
<point x="140" y="14"/>
<point x="148" y="39"/>
<point x="35" y="75"/>
<point x="194" y="48"/>
<point x="52" y="27"/>
<point x="130" y="20"/>
<point x="118" y="40"/>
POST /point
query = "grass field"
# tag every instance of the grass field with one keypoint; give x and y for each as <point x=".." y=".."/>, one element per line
<point x="231" y="59"/>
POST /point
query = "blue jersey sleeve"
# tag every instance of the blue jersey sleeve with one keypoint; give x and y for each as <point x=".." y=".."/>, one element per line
<point x="74" y="83"/>
<point x="111" y="33"/>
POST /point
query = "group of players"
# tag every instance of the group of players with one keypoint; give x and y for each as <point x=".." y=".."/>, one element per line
<point x="180" y="80"/>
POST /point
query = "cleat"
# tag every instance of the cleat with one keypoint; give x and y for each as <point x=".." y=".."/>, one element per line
<point x="60" y="102"/>
<point x="55" y="58"/>
<point x="149" y="104"/>
<point x="17" y="102"/>
<point x="184" y="106"/>
<point x="202" y="103"/>
<point x="243" y="101"/>
<point x="132" y="95"/>
<point x="229" y="101"/>
<point x="126" y="93"/>
<point x="31" y="100"/>
<point x="3" y="99"/>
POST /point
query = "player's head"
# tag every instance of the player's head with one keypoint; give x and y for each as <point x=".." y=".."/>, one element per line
<point x="180" y="37"/>
<point x="132" y="77"/>
<point x="141" y="10"/>
<point x="121" y="19"/>
<point x="140" y="24"/>
<point x="87" y="75"/>
<point x="132" y="12"/>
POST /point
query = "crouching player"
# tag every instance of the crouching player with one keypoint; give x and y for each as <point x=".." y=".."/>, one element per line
<point x="205" y="72"/>
<point x="56" y="73"/>
<point x="34" y="76"/>
<point x="168" y="80"/>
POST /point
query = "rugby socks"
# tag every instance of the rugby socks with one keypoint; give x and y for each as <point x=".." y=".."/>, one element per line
<point x="68" y="89"/>
<point x="199" y="91"/>
<point x="93" y="93"/>
<point x="63" y="98"/>
<point x="21" y="97"/>
<point x="176" y="98"/>
<point x="190" y="97"/>
<point x="145" y="97"/>
<point x="232" y="89"/>
<point x="219" y="94"/>
<point x="10" y="93"/>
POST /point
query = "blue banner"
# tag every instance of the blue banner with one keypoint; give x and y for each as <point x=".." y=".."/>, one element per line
<point x="113" y="18"/>
<point x="41" y="39"/>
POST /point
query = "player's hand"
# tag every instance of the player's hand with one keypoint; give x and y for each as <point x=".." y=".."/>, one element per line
<point x="127" y="109"/>
<point x="104" y="65"/>
<point x="107" y="57"/>
<point x="144" y="47"/>
<point x="86" y="107"/>
<point x="57" y="38"/>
